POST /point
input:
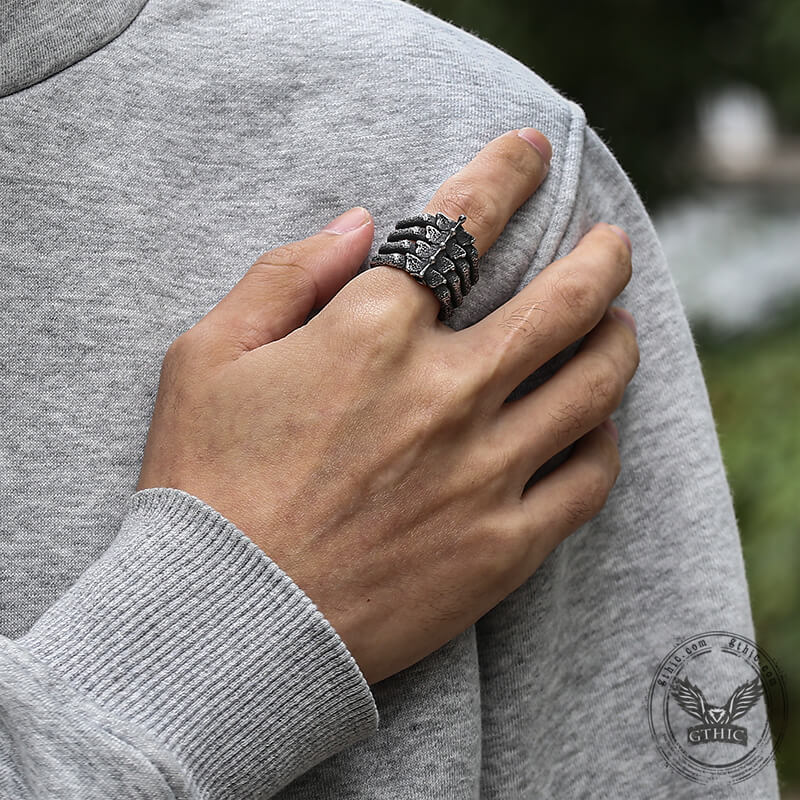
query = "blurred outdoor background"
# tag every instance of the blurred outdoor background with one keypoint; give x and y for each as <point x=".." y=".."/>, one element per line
<point x="700" y="102"/>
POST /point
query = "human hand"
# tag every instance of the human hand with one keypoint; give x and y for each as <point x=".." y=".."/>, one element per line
<point x="369" y="452"/>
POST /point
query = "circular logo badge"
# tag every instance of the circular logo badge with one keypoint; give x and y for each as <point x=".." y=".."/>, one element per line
<point x="711" y="703"/>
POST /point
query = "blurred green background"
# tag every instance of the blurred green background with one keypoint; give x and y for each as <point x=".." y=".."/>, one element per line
<point x="700" y="102"/>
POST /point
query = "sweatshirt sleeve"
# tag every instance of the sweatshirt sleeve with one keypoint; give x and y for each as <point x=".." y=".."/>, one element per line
<point x="183" y="663"/>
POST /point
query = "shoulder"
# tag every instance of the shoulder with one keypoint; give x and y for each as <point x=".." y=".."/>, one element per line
<point x="391" y="52"/>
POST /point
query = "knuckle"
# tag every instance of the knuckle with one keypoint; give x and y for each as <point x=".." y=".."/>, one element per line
<point x="605" y="381"/>
<point x="181" y="348"/>
<point x="575" y="293"/>
<point x="285" y="265"/>
<point x="382" y="296"/>
<point x="448" y="390"/>
<point x="566" y="424"/>
<point x="522" y="330"/>
<point x="568" y="418"/>
<point x="577" y="511"/>
<point x="462" y="197"/>
<point x="288" y="255"/>
<point x="376" y="319"/>
<point x="189" y="351"/>
<point x="596" y="484"/>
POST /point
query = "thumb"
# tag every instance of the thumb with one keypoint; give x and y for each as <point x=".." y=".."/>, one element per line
<point x="279" y="291"/>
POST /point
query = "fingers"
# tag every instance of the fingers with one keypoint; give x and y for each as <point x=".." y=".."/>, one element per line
<point x="279" y="291"/>
<point x="494" y="185"/>
<point x="583" y="393"/>
<point x="488" y="190"/>
<point x="285" y="284"/>
<point x="567" y="498"/>
<point x="560" y="305"/>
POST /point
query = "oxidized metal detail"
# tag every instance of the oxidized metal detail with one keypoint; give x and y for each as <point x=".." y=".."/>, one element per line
<point x="437" y="252"/>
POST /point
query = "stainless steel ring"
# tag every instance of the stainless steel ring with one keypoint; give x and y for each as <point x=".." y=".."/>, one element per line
<point x="437" y="252"/>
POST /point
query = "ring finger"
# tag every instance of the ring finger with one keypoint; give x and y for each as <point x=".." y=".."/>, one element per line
<point x="583" y="393"/>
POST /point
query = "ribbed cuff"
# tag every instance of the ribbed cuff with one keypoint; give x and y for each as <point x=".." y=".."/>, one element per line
<point x="187" y="628"/>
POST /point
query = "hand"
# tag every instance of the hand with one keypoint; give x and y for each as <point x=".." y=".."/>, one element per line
<point x="369" y="452"/>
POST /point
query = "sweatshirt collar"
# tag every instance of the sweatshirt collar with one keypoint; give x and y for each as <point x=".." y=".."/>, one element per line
<point x="41" y="37"/>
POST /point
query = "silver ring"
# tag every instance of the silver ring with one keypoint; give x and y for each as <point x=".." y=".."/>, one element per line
<point x="437" y="252"/>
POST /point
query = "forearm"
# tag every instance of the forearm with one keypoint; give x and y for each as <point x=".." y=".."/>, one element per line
<point x="182" y="663"/>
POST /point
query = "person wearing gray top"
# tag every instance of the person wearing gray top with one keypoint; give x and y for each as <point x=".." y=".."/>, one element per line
<point x="152" y="149"/>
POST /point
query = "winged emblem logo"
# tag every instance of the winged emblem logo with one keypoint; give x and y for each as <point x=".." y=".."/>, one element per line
<point x="732" y="727"/>
<point x="691" y="700"/>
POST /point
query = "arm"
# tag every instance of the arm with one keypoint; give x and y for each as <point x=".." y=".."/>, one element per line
<point x="183" y="663"/>
<point x="164" y="634"/>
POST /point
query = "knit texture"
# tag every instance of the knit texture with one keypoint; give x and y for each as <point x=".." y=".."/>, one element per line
<point x="42" y="37"/>
<point x="185" y="628"/>
<point x="151" y="650"/>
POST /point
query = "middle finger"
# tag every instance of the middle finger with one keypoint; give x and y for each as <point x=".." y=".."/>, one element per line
<point x="488" y="190"/>
<point x="559" y="306"/>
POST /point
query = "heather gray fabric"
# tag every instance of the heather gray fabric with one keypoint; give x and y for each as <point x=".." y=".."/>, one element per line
<point x="150" y="649"/>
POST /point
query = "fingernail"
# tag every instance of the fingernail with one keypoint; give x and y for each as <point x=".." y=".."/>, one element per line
<point x="609" y="425"/>
<point x="625" y="316"/>
<point x="538" y="141"/>
<point x="622" y="235"/>
<point x="349" y="221"/>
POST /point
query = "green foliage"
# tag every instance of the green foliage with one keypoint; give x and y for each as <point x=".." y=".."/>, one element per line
<point x="640" y="69"/>
<point x="754" y="384"/>
<point x="777" y="62"/>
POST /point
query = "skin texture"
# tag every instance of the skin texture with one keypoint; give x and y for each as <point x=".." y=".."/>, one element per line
<point x="369" y="452"/>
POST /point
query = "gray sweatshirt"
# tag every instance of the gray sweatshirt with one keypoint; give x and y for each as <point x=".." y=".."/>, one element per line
<point x="150" y="151"/>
